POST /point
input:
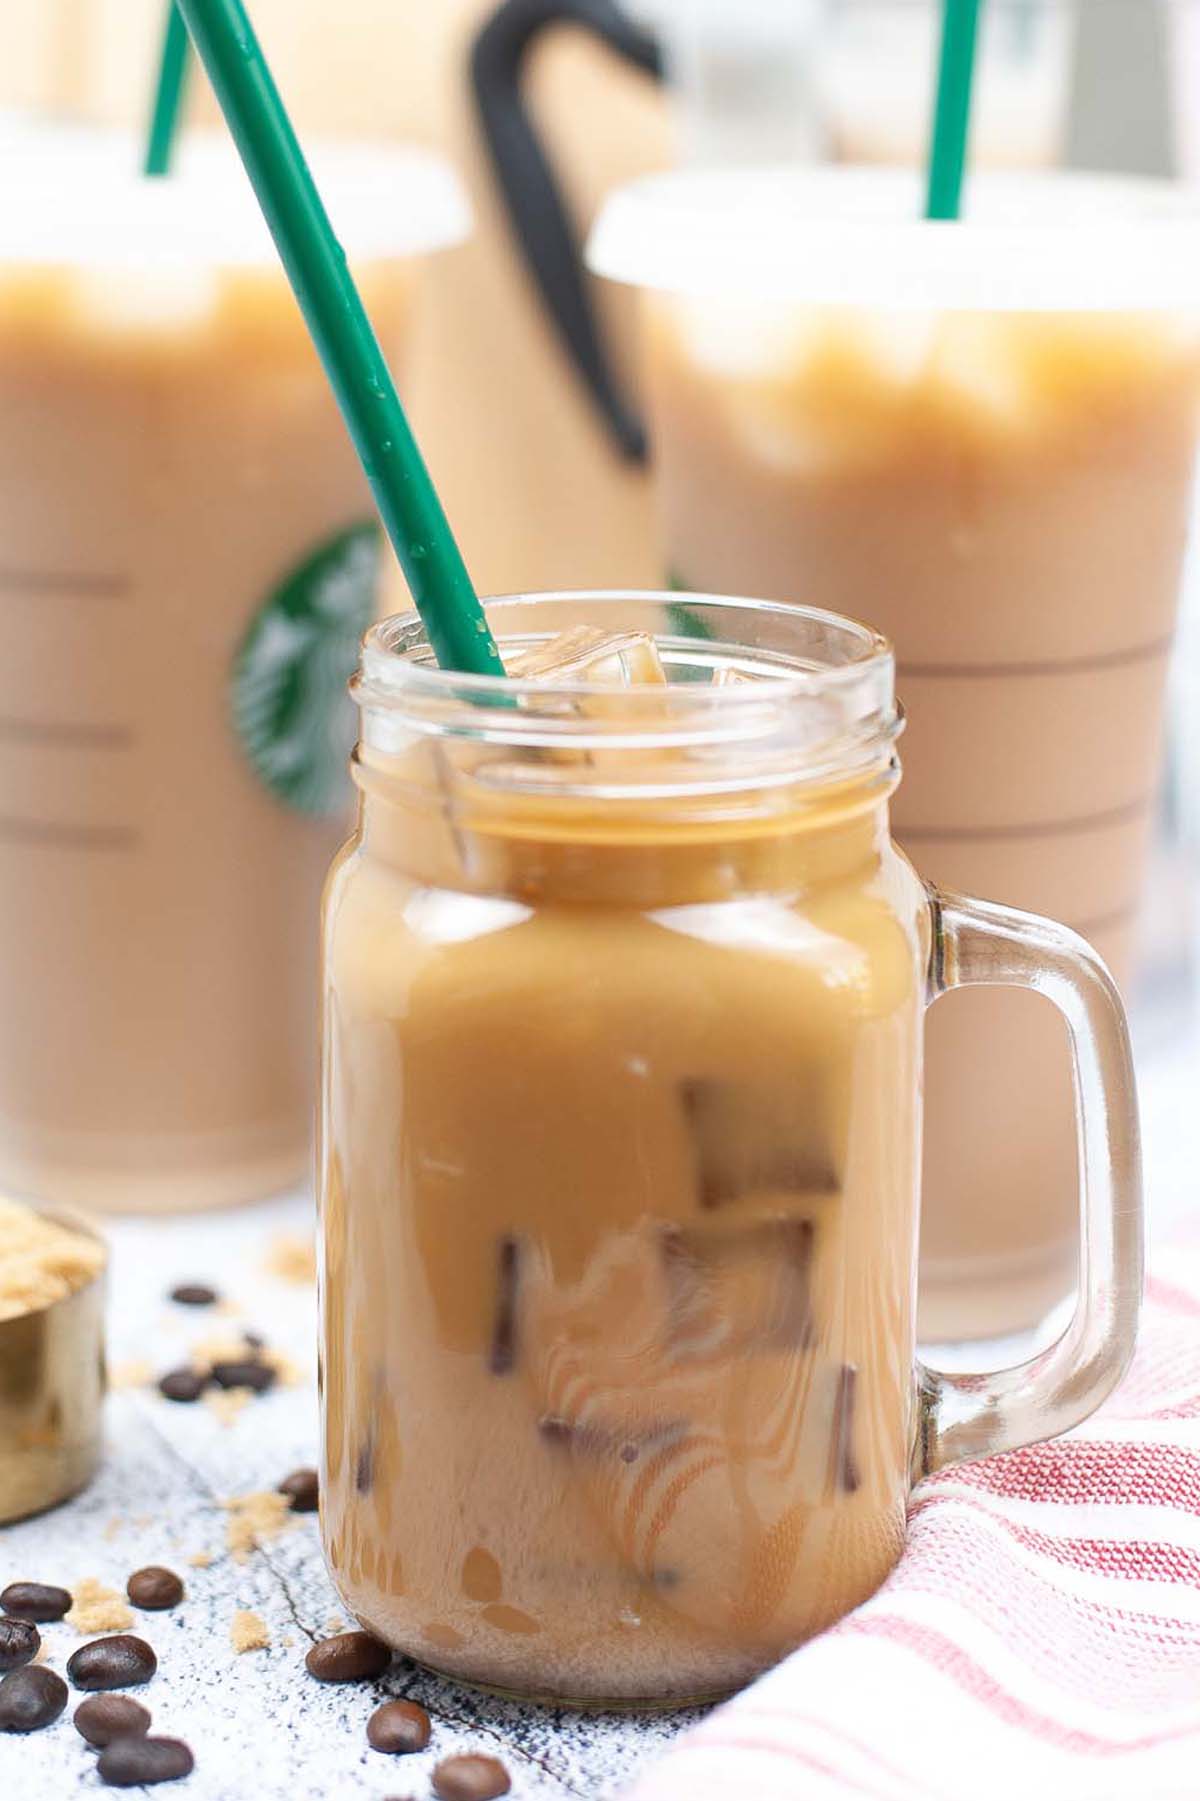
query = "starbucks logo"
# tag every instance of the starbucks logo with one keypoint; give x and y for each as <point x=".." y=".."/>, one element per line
<point x="291" y="710"/>
<point x="682" y="619"/>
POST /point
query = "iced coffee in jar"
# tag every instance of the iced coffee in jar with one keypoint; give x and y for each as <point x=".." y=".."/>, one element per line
<point x="624" y="982"/>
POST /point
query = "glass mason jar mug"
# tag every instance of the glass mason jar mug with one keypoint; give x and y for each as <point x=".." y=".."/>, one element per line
<point x="620" y="1154"/>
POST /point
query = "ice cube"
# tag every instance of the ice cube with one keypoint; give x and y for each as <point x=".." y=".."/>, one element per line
<point x="896" y="345"/>
<point x="738" y="1293"/>
<point x="587" y="653"/>
<point x="977" y="376"/>
<point x="750" y="1143"/>
<point x="156" y="302"/>
<point x="1073" y="362"/>
<point x="742" y="339"/>
<point x="845" y="399"/>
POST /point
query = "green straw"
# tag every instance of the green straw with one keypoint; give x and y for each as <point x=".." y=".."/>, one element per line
<point x="952" y="111"/>
<point x="168" y="94"/>
<point x="316" y="267"/>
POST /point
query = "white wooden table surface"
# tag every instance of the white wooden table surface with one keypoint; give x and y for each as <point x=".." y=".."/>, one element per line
<point x="261" y="1729"/>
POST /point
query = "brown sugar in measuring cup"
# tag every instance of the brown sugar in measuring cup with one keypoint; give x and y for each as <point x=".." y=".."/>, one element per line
<point x="52" y="1366"/>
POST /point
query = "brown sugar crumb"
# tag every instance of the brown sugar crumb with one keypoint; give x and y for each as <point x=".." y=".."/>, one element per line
<point x="133" y="1372"/>
<point x="292" y="1256"/>
<point x="227" y="1403"/>
<point x="218" y="1347"/>
<point x="288" y="1373"/>
<point x="334" y="1624"/>
<point x="41" y="1261"/>
<point x="201" y="1560"/>
<point x="98" y="1609"/>
<point x="248" y="1632"/>
<point x="253" y="1519"/>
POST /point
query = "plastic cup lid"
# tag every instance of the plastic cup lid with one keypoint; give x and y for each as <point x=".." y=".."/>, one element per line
<point x="855" y="237"/>
<point x="75" y="195"/>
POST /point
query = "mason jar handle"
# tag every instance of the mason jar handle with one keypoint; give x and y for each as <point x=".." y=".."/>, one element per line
<point x="531" y="190"/>
<point x="973" y="1416"/>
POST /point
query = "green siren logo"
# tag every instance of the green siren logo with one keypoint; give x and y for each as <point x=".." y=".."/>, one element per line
<point x="684" y="621"/>
<point x="291" y="710"/>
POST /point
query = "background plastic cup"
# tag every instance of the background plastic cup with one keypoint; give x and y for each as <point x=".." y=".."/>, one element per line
<point x="187" y="558"/>
<point x="980" y="438"/>
<point x="511" y="440"/>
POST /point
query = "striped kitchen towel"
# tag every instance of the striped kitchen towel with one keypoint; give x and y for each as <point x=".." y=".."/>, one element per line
<point x="1040" y="1638"/>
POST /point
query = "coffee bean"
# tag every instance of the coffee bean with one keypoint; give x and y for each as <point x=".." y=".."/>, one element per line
<point x="303" y="1489"/>
<point x="35" y="1601"/>
<point x="120" y="1661"/>
<point x="154" y="1589"/>
<point x="350" y="1657"/>
<point x="132" y="1762"/>
<point x="244" y="1372"/>
<point x="195" y="1294"/>
<point x="108" y="1717"/>
<point x="30" y="1699"/>
<point x="19" y="1642"/>
<point x="182" y="1385"/>
<point x="399" y="1726"/>
<point x="470" y="1778"/>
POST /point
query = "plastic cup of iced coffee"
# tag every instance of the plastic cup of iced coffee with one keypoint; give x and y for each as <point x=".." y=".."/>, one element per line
<point x="619" y="1161"/>
<point x="981" y="436"/>
<point x="187" y="560"/>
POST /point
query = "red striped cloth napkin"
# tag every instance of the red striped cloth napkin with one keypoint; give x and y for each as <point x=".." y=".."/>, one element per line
<point x="1040" y="1638"/>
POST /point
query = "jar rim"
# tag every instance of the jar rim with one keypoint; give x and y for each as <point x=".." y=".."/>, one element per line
<point x="816" y="699"/>
<point x="396" y="659"/>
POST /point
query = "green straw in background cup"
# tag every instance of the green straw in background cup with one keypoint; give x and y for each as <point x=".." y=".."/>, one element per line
<point x="316" y="267"/>
<point x="952" y="108"/>
<point x="168" y="94"/>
